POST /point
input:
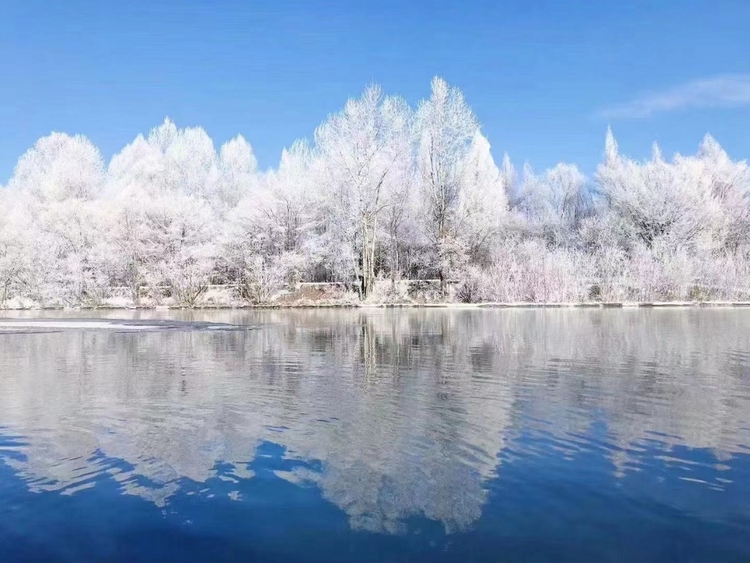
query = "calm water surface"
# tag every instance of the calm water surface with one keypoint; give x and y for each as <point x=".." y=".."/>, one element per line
<point x="423" y="435"/>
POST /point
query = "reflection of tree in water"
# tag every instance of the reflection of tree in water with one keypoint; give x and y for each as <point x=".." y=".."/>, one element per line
<point x="405" y="443"/>
<point x="406" y="410"/>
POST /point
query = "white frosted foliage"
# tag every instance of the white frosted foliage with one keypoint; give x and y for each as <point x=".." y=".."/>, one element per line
<point x="381" y="193"/>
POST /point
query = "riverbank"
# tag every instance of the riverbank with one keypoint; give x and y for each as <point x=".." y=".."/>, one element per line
<point x="332" y="295"/>
<point x="520" y="305"/>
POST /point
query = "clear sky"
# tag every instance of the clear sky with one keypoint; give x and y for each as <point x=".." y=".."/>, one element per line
<point x="545" y="77"/>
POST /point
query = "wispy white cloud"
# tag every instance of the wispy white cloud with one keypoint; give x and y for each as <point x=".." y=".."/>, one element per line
<point x="728" y="90"/>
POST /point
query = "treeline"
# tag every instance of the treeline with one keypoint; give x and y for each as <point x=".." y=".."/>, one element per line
<point x="385" y="192"/>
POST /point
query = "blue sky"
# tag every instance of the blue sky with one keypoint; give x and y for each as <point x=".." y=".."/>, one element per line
<point x="545" y="77"/>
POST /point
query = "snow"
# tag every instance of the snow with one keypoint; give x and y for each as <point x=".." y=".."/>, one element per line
<point x="386" y="192"/>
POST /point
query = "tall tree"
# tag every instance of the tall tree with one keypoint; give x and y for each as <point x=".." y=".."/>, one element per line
<point x="365" y="152"/>
<point x="165" y="226"/>
<point x="59" y="180"/>
<point x="445" y="127"/>
<point x="555" y="202"/>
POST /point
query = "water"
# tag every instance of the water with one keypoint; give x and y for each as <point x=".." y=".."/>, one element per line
<point x="414" y="435"/>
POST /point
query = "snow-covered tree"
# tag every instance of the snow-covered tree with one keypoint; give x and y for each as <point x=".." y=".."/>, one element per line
<point x="237" y="174"/>
<point x="165" y="224"/>
<point x="17" y="265"/>
<point x="365" y="152"/>
<point x="651" y="197"/>
<point x="483" y="202"/>
<point x="60" y="167"/>
<point x="510" y="181"/>
<point x="724" y="188"/>
<point x="446" y="128"/>
<point x="58" y="181"/>
<point x="555" y="203"/>
<point x="382" y="191"/>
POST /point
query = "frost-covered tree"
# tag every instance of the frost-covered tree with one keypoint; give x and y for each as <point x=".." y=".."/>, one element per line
<point x="676" y="222"/>
<point x="651" y="197"/>
<point x="482" y="200"/>
<point x="181" y="245"/>
<point x="555" y="203"/>
<point x="165" y="223"/>
<point x="365" y="154"/>
<point x="510" y="181"/>
<point x="382" y="191"/>
<point x="446" y="128"/>
<point x="16" y="242"/>
<point x="236" y="174"/>
<point x="724" y="188"/>
<point x="265" y="237"/>
<point x="58" y="168"/>
<point x="58" y="181"/>
<point x="290" y="188"/>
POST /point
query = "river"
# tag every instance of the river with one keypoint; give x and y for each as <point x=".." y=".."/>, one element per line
<point x="375" y="435"/>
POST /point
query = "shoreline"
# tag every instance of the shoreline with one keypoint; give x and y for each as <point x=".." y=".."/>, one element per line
<point x="457" y="306"/>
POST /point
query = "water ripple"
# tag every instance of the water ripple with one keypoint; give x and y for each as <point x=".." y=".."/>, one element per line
<point x="392" y="417"/>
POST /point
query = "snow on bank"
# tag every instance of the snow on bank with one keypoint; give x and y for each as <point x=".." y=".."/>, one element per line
<point x="156" y="325"/>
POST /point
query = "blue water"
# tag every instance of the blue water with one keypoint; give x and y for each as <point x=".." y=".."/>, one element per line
<point x="516" y="435"/>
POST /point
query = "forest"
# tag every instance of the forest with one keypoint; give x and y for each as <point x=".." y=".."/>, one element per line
<point x="393" y="203"/>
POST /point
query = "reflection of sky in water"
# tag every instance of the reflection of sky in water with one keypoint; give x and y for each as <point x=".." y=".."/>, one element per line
<point x="445" y="432"/>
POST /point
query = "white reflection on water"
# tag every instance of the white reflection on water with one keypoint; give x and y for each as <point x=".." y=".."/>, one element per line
<point x="410" y="413"/>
